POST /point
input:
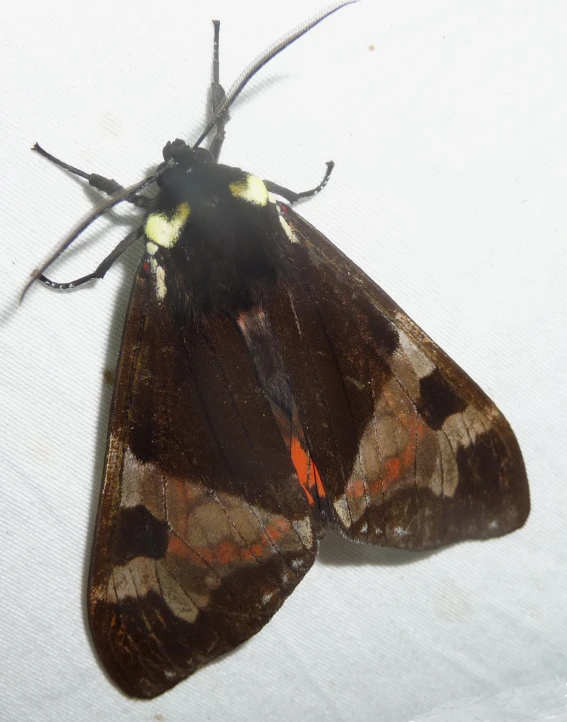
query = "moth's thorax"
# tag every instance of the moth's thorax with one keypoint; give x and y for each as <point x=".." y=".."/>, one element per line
<point x="215" y="239"/>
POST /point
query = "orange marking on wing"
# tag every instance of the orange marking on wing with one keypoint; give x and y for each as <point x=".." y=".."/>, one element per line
<point x="276" y="531"/>
<point x="396" y="466"/>
<point x="356" y="488"/>
<point x="307" y="472"/>
<point x="229" y="551"/>
<point x="301" y="462"/>
<point x="176" y="546"/>
<point x="225" y="553"/>
<point x="282" y="524"/>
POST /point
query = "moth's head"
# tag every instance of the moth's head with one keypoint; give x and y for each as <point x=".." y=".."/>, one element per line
<point x="183" y="156"/>
<point x="179" y="161"/>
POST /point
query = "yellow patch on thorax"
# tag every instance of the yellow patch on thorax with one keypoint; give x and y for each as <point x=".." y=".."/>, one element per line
<point x="250" y="189"/>
<point x="165" y="231"/>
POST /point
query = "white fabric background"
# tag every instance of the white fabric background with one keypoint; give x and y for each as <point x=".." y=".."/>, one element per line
<point x="450" y="189"/>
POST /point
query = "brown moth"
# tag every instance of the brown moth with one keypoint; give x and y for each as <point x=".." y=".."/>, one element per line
<point x="267" y="389"/>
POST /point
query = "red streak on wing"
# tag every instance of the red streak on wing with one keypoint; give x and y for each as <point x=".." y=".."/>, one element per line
<point x="179" y="548"/>
<point x="307" y="472"/>
<point x="301" y="463"/>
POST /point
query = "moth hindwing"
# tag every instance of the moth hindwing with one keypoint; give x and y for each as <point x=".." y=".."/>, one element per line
<point x="267" y="389"/>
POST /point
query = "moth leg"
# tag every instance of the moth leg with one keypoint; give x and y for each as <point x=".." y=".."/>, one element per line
<point x="106" y="185"/>
<point x="292" y="196"/>
<point x="101" y="269"/>
<point x="217" y="96"/>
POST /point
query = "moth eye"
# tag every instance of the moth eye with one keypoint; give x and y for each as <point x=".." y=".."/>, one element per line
<point x="250" y="189"/>
<point x="165" y="230"/>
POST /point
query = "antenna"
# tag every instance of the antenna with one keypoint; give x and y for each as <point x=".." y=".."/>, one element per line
<point x="259" y="63"/>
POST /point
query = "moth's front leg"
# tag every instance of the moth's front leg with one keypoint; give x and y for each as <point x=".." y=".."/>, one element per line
<point x="292" y="196"/>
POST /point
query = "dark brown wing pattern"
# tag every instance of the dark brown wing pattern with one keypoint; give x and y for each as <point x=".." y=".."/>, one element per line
<point x="411" y="452"/>
<point x="203" y="529"/>
<point x="232" y="443"/>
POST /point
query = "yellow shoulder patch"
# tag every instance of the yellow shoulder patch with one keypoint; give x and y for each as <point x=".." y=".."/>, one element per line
<point x="250" y="189"/>
<point x="165" y="231"/>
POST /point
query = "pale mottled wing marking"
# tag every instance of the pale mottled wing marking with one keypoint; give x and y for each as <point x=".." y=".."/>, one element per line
<point x="411" y="452"/>
<point x="203" y="528"/>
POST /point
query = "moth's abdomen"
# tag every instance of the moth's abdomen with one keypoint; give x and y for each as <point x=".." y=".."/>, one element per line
<point x="265" y="351"/>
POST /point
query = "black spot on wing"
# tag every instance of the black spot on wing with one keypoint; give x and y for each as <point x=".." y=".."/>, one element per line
<point x="140" y="534"/>
<point x="481" y="466"/>
<point x="385" y="336"/>
<point x="438" y="400"/>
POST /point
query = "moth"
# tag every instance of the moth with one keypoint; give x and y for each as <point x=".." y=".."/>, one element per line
<point x="267" y="389"/>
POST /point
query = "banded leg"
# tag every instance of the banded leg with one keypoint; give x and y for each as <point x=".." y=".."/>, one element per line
<point x="217" y="96"/>
<point x="106" y="185"/>
<point x="292" y="196"/>
<point x="102" y="267"/>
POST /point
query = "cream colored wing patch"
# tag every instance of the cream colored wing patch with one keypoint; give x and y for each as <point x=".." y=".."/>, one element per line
<point x="210" y="536"/>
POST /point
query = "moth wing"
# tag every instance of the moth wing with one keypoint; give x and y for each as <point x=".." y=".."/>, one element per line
<point x="411" y="452"/>
<point x="203" y="529"/>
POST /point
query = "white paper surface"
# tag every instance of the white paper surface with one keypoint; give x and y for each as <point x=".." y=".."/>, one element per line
<point x="450" y="189"/>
